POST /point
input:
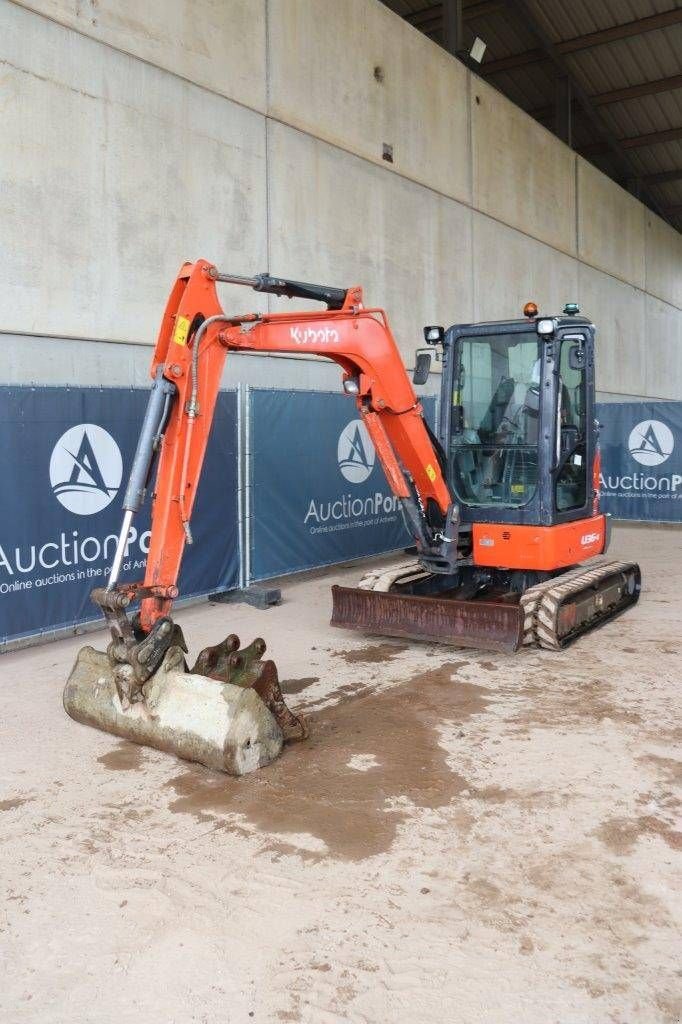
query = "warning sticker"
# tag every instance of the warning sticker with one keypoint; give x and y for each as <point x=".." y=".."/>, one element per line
<point x="181" y="331"/>
<point x="431" y="473"/>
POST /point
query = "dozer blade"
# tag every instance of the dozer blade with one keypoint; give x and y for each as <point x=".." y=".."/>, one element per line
<point x="488" y="625"/>
<point x="228" y="713"/>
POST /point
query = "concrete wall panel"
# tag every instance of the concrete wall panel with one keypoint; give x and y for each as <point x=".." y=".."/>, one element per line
<point x="618" y="311"/>
<point x="663" y="353"/>
<point x="219" y="44"/>
<point x="663" y="260"/>
<point x="348" y="222"/>
<point x="59" y="361"/>
<point x="323" y="57"/>
<point x="116" y="167"/>
<point x="610" y="226"/>
<point x="113" y="173"/>
<point x="522" y="174"/>
<point x="510" y="269"/>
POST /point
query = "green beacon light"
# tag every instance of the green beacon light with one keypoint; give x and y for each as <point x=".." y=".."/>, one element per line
<point x="571" y="309"/>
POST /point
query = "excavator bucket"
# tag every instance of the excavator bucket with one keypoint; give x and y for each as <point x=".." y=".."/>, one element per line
<point x="227" y="712"/>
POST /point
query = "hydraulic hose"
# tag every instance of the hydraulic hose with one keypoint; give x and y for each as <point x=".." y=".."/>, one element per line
<point x="192" y="411"/>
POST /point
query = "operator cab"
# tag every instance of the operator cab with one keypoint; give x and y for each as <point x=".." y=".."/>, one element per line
<point x="517" y="417"/>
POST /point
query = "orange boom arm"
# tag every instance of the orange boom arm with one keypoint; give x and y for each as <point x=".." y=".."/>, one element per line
<point x="193" y="342"/>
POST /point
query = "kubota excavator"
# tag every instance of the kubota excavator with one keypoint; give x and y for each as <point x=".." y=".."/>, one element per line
<point x="503" y="507"/>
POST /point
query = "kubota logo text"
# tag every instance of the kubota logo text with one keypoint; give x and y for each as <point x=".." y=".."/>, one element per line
<point x="651" y="442"/>
<point x="85" y="469"/>
<point x="313" y="335"/>
<point x="355" y="452"/>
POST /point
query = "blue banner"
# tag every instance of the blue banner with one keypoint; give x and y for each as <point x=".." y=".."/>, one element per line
<point x="64" y="457"/>
<point x="641" y="449"/>
<point x="318" y="494"/>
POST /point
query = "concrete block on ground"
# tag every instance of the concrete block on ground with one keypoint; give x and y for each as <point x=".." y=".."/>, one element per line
<point x="523" y="175"/>
<point x="347" y="222"/>
<point x="358" y="76"/>
<point x="114" y="172"/>
<point x="220" y="45"/>
<point x="511" y="269"/>
<point x="610" y="226"/>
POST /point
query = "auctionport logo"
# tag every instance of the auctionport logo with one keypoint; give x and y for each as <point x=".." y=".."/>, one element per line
<point x="355" y="452"/>
<point x="651" y="442"/>
<point x="85" y="469"/>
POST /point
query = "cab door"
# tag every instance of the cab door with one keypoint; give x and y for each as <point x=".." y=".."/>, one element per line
<point x="574" y="425"/>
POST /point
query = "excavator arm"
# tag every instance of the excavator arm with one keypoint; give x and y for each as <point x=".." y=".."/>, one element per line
<point x="194" y="339"/>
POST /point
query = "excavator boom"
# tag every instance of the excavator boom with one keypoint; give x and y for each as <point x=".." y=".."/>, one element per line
<point x="144" y="687"/>
<point x="193" y="343"/>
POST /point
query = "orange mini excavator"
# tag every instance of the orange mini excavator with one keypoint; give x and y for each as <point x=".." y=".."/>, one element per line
<point x="503" y="506"/>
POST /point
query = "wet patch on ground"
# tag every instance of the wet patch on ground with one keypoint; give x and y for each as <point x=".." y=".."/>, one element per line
<point x="126" y="757"/>
<point x="292" y="686"/>
<point x="313" y="790"/>
<point x="574" y="703"/>
<point x="17" y="801"/>
<point x="621" y="834"/>
<point x="670" y="1005"/>
<point x="363" y="687"/>
<point x="375" y="655"/>
<point x="669" y="767"/>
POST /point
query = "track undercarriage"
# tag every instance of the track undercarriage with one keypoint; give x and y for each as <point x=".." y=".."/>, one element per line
<point x="488" y="611"/>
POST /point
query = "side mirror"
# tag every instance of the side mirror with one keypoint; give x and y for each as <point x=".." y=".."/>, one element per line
<point x="576" y="357"/>
<point x="422" y="367"/>
<point x="434" y="335"/>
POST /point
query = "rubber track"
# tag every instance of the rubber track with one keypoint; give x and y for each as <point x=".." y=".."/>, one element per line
<point x="383" y="579"/>
<point x="540" y="604"/>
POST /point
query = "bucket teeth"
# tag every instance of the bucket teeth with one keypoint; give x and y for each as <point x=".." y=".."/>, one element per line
<point x="245" y="667"/>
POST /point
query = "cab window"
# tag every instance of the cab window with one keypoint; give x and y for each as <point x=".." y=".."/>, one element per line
<point x="571" y="481"/>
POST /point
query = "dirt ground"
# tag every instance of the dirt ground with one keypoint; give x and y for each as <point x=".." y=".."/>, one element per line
<point x="465" y="837"/>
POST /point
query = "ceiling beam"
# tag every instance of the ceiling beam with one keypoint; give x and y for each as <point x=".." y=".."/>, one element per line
<point x="632" y="92"/>
<point x="606" y="35"/>
<point x="581" y="97"/>
<point x="434" y="15"/>
<point x="624" y="31"/>
<point x="635" y="142"/>
<point x="663" y="177"/>
<point x="515" y="60"/>
<point x="619" y="95"/>
<point x="652" y="138"/>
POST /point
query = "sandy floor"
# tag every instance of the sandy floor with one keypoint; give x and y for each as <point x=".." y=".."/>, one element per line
<point x="466" y="837"/>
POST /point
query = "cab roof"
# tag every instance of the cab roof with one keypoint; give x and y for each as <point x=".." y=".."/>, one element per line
<point x="499" y="326"/>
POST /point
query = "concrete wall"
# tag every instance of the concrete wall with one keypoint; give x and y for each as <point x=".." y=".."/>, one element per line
<point x="610" y="226"/>
<point x="523" y="176"/>
<point x="253" y="132"/>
